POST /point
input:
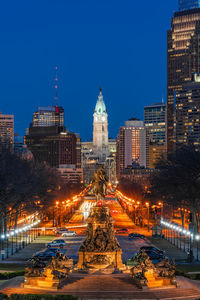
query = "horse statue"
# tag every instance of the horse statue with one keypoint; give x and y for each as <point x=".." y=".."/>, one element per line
<point x="100" y="183"/>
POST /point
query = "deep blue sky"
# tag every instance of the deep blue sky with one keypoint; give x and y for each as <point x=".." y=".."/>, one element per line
<point x="119" y="44"/>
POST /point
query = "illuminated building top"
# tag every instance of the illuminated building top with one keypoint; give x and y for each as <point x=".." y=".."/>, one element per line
<point x="188" y="4"/>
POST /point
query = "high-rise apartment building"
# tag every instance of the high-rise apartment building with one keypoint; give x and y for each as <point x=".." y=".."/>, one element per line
<point x="6" y="130"/>
<point x="48" y="116"/>
<point x="183" y="59"/>
<point x="187" y="129"/>
<point x="155" y="119"/>
<point x="188" y="4"/>
<point x="132" y="145"/>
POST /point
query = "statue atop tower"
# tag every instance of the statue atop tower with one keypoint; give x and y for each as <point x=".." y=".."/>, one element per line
<point x="100" y="129"/>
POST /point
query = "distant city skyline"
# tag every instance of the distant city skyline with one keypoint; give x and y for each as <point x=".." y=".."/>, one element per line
<point x="121" y="47"/>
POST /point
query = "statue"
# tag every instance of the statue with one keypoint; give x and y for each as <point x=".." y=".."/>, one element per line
<point x="100" y="182"/>
<point x="145" y="272"/>
<point x="36" y="269"/>
<point x="52" y="275"/>
<point x="101" y="248"/>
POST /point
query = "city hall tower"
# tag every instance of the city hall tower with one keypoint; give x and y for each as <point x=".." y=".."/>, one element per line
<point x="100" y="129"/>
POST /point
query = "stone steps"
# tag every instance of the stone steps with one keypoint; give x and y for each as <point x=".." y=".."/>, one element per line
<point x="94" y="283"/>
<point x="180" y="294"/>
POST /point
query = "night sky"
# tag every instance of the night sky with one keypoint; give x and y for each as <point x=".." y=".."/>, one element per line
<point x="118" y="44"/>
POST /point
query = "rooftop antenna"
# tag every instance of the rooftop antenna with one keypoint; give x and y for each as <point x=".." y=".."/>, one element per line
<point x="163" y="98"/>
<point x="56" y="85"/>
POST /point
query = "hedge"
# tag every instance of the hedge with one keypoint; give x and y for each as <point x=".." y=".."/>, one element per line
<point x="9" y="275"/>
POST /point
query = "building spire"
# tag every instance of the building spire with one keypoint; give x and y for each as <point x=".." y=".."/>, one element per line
<point x="56" y="85"/>
<point x="100" y="88"/>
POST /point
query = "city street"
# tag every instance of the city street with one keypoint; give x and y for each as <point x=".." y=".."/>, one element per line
<point x="78" y="223"/>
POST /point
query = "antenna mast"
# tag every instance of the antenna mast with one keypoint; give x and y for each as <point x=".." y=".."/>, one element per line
<point x="56" y="86"/>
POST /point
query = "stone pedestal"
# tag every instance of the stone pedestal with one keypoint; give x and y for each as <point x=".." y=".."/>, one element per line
<point x="47" y="281"/>
<point x="101" y="249"/>
<point x="99" y="260"/>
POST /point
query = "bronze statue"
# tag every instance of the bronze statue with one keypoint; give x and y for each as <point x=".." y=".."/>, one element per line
<point x="100" y="183"/>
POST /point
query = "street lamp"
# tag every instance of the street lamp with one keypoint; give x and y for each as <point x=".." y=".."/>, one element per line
<point x="160" y="204"/>
<point x="147" y="205"/>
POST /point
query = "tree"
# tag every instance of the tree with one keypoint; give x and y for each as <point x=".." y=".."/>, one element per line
<point x="177" y="181"/>
<point x="21" y="182"/>
<point x="131" y="189"/>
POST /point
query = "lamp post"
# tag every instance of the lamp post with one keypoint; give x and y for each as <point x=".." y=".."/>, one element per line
<point x="147" y="205"/>
<point x="160" y="204"/>
<point x="16" y="243"/>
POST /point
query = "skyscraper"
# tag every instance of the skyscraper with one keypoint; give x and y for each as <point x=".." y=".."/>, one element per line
<point x="48" y="116"/>
<point x="53" y="146"/>
<point x="131" y="145"/>
<point x="188" y="113"/>
<point x="100" y="129"/>
<point x="155" y="117"/>
<point x="155" y="121"/>
<point x="188" y="4"/>
<point x="183" y="59"/>
<point x="6" y="130"/>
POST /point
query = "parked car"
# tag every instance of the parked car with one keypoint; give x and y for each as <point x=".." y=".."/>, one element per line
<point x="68" y="233"/>
<point x="56" y="244"/>
<point x="122" y="230"/>
<point x="151" y="248"/>
<point x="155" y="257"/>
<point x="133" y="236"/>
<point x="46" y="254"/>
<point x="61" y="230"/>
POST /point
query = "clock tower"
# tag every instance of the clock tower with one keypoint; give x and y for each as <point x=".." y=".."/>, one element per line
<point x="100" y="129"/>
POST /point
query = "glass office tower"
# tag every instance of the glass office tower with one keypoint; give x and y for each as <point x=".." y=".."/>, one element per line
<point x="188" y="4"/>
<point x="183" y="49"/>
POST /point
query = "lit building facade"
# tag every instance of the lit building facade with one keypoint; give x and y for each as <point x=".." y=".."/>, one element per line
<point x="6" y="130"/>
<point x="48" y="116"/>
<point x="187" y="129"/>
<point x="155" y="120"/>
<point x="188" y="4"/>
<point x="70" y="173"/>
<point x="132" y="146"/>
<point x="183" y="50"/>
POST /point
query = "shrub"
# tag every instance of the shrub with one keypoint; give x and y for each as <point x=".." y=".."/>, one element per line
<point x="9" y="275"/>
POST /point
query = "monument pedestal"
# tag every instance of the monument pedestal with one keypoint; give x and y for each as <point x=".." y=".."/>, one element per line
<point x="99" y="260"/>
<point x="47" y="281"/>
<point x="101" y="249"/>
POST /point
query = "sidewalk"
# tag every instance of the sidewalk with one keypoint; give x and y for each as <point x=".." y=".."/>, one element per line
<point x="171" y="251"/>
<point x="23" y="255"/>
